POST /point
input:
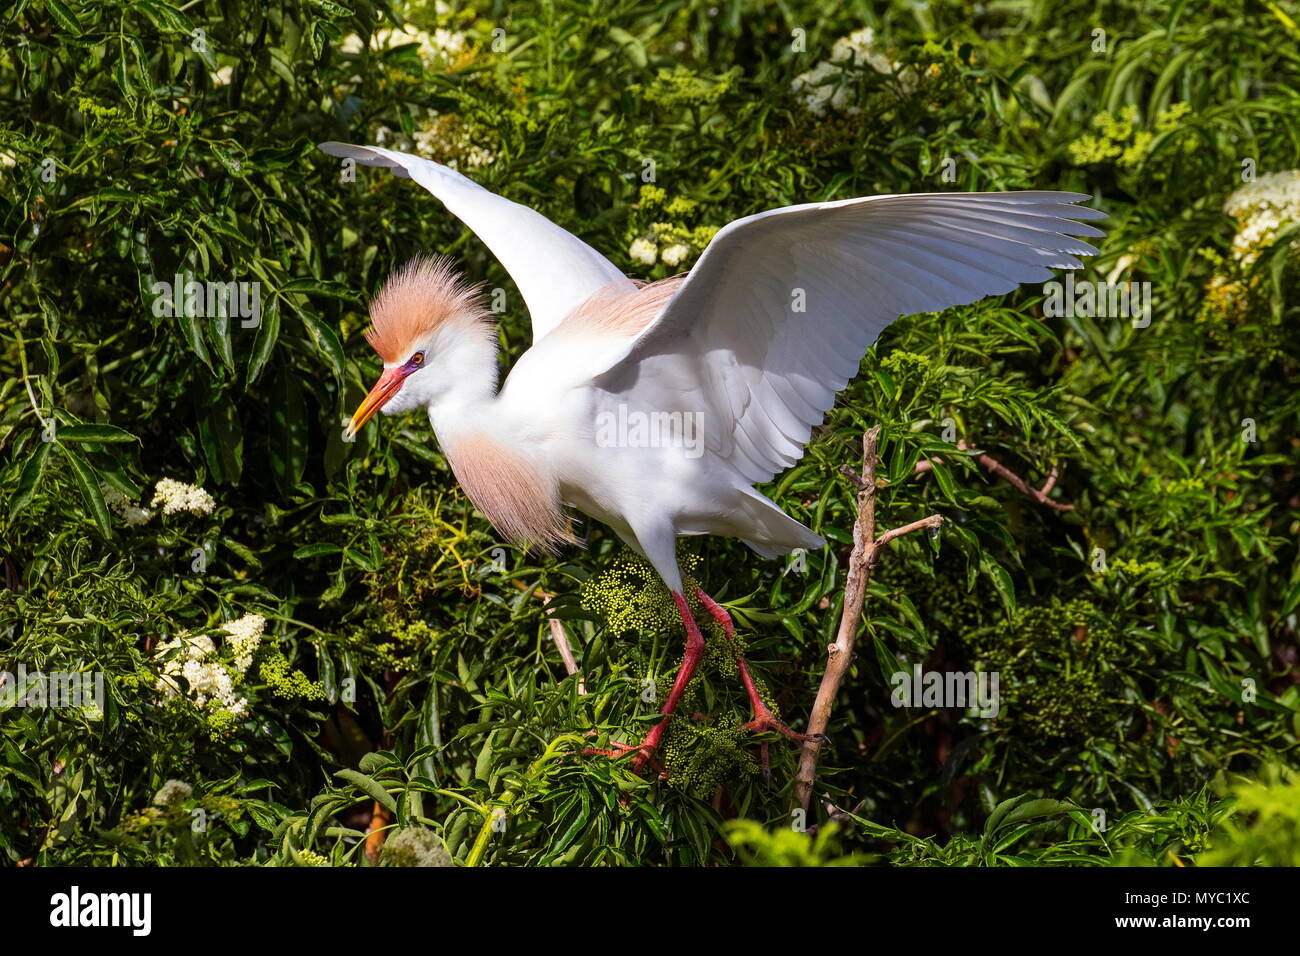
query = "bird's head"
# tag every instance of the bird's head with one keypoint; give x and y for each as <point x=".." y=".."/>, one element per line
<point x="430" y="328"/>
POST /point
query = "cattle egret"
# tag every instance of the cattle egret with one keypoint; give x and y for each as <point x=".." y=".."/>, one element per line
<point x="655" y="408"/>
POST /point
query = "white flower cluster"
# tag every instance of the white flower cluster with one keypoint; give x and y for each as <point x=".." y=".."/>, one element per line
<point x="860" y="47"/>
<point x="125" y="508"/>
<point x="675" y="254"/>
<point x="173" y="792"/>
<point x="436" y="135"/>
<point x="222" y="77"/>
<point x="244" y="636"/>
<point x="831" y="84"/>
<point x="195" y="659"/>
<point x="436" y="48"/>
<point x="440" y="138"/>
<point x="176" y="496"/>
<point x="1263" y="209"/>
<point x="643" y="251"/>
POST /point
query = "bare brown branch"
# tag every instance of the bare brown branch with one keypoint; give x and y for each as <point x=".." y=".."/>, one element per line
<point x="866" y="551"/>
<point x="991" y="464"/>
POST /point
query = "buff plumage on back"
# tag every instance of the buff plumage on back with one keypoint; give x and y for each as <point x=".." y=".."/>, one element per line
<point x="614" y="310"/>
<point x="421" y="297"/>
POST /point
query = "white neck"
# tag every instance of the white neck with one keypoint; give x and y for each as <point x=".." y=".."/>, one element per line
<point x="462" y="389"/>
<point x="518" y="492"/>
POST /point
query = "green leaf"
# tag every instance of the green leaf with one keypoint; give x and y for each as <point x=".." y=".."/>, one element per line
<point x="1001" y="581"/>
<point x="370" y="786"/>
<point x="64" y="16"/>
<point x="943" y="478"/>
<point x="1292" y="599"/>
<point x="483" y="765"/>
<point x="122" y="76"/>
<point x="95" y="433"/>
<point x="1032" y="809"/>
<point x="327" y="342"/>
<point x="115" y="194"/>
<point x="315" y="550"/>
<point x="223" y="228"/>
<point x="88" y="482"/>
<point x="287" y="450"/>
<point x="219" y="335"/>
<point x="361" y="559"/>
<point x="222" y="439"/>
<point x="375" y="762"/>
<point x="268" y="333"/>
<point x="164" y="16"/>
<point x="29" y="478"/>
<point x="319" y="287"/>
<point x="999" y="813"/>
<point x="193" y="333"/>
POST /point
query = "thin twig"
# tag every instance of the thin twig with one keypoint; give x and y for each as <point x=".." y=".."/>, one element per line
<point x="31" y="395"/>
<point x="931" y="522"/>
<point x="866" y="551"/>
<point x="561" y="640"/>
<point x="1006" y="474"/>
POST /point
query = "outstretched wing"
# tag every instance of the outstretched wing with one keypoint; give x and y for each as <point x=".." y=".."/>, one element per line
<point x="554" y="270"/>
<point x="775" y="317"/>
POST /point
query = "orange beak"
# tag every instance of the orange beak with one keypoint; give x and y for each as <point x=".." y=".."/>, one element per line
<point x="383" y="390"/>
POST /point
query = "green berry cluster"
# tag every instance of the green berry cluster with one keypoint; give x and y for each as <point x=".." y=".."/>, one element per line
<point x="287" y="682"/>
<point x="404" y="594"/>
<point x="631" y="598"/>
<point x="1057" y="666"/>
<point x="221" y="724"/>
<point x="702" y="755"/>
<point x="680" y="86"/>
<point x="407" y="642"/>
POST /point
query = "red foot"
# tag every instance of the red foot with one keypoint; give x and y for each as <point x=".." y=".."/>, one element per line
<point x="645" y="751"/>
<point x="694" y="651"/>
<point x="764" y="720"/>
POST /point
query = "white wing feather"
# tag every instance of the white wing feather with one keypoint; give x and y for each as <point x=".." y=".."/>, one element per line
<point x="554" y="270"/>
<point x="732" y="346"/>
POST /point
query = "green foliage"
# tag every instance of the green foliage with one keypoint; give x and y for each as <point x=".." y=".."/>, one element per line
<point x="1062" y="665"/>
<point x="164" y="476"/>
<point x="1028" y="831"/>
<point x="1264" y="829"/>
<point x="758" y="847"/>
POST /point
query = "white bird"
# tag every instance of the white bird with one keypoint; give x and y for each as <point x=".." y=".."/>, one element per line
<point x="655" y="408"/>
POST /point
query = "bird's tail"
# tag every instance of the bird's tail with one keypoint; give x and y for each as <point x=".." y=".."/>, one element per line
<point x="777" y="533"/>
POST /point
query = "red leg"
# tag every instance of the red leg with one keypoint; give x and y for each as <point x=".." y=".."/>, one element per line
<point x="764" y="719"/>
<point x="694" y="651"/>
